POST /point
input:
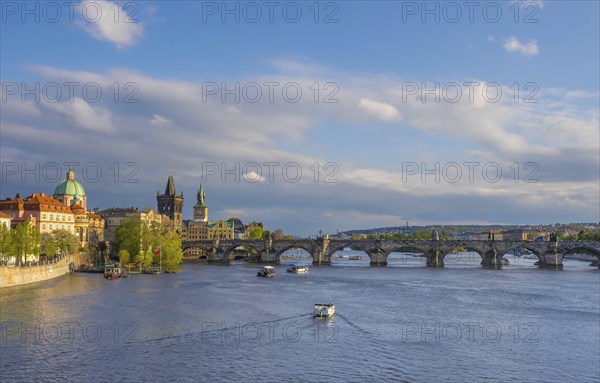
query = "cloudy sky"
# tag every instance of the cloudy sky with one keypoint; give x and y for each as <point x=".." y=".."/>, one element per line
<point x="309" y="116"/>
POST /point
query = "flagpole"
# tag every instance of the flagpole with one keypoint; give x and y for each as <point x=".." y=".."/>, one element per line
<point x="160" y="259"/>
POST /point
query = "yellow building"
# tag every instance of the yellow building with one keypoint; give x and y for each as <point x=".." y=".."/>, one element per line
<point x="115" y="216"/>
<point x="221" y="230"/>
<point x="5" y="220"/>
<point x="45" y="212"/>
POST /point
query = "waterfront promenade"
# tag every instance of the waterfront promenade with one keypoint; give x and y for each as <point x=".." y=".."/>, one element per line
<point x="30" y="273"/>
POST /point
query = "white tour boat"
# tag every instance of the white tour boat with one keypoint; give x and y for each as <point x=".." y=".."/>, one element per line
<point x="266" y="271"/>
<point x="323" y="310"/>
<point x="297" y="269"/>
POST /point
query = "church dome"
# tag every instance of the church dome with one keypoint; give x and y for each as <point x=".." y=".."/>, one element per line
<point x="69" y="186"/>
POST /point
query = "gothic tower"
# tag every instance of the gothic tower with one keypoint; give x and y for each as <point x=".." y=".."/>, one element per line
<point x="171" y="204"/>
<point x="200" y="209"/>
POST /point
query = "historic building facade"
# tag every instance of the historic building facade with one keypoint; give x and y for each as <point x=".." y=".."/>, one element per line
<point x="45" y="212"/>
<point x="65" y="210"/>
<point x="200" y="228"/>
<point x="115" y="216"/>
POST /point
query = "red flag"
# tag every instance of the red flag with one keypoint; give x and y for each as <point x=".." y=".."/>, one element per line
<point x="157" y="252"/>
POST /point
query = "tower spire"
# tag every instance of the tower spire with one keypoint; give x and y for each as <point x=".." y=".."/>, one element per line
<point x="170" y="189"/>
<point x="201" y="196"/>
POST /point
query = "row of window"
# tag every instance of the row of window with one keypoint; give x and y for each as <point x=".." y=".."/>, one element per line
<point x="59" y="217"/>
<point x="53" y="227"/>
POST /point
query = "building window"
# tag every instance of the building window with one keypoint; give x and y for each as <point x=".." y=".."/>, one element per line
<point x="43" y="226"/>
<point x="43" y="216"/>
<point x="51" y="217"/>
<point x="50" y="226"/>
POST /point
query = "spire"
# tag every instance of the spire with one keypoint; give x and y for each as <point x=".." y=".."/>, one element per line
<point x="170" y="189"/>
<point x="201" y="196"/>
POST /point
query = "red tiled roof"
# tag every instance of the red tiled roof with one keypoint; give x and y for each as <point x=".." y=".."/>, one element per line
<point x="37" y="202"/>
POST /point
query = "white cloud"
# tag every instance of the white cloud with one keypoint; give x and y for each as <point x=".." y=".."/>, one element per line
<point x="79" y="114"/>
<point x="491" y="38"/>
<point x="562" y="137"/>
<point x="159" y="120"/>
<point x="380" y="110"/>
<point x="526" y="4"/>
<point x="105" y="22"/>
<point x="513" y="44"/>
<point x="253" y="177"/>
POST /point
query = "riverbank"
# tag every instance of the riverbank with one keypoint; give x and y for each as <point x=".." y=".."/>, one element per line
<point x="16" y="276"/>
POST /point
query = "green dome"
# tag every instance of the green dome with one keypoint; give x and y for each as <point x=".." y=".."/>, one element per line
<point x="70" y="186"/>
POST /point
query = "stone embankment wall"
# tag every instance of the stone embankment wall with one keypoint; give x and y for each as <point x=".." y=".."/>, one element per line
<point x="14" y="276"/>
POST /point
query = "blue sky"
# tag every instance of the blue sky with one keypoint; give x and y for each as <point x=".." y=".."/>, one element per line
<point x="169" y="56"/>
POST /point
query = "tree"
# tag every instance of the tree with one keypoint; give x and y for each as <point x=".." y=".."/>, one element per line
<point x="171" y="252"/>
<point x="49" y="246"/>
<point x="66" y="242"/>
<point x="142" y="241"/>
<point x="124" y="257"/>
<point x="5" y="242"/>
<point x="128" y="237"/>
<point x="26" y="241"/>
<point x="266" y="234"/>
<point x="256" y="233"/>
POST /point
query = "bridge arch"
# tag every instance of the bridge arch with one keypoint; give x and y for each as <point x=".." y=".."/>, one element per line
<point x="230" y="255"/>
<point x="404" y="259"/>
<point x="292" y="246"/>
<point x="578" y="247"/>
<point x="451" y="256"/>
<point x="529" y="247"/>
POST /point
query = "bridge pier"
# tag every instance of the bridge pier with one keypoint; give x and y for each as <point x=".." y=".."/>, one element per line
<point x="435" y="258"/>
<point x="551" y="260"/>
<point x="378" y="259"/>
<point x="268" y="256"/>
<point x="322" y="252"/>
<point x="491" y="260"/>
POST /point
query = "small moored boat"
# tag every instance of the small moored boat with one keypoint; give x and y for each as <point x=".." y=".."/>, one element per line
<point x="323" y="310"/>
<point x="112" y="272"/>
<point x="355" y="258"/>
<point x="297" y="269"/>
<point x="266" y="271"/>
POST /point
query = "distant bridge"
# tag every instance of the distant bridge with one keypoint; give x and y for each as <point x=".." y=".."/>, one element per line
<point x="550" y="254"/>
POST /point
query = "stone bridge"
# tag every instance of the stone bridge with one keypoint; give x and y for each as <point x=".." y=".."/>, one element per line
<point x="550" y="254"/>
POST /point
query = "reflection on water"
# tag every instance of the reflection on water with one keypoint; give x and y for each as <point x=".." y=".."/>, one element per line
<point x="404" y="322"/>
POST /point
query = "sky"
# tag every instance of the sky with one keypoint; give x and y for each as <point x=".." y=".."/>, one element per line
<point x="308" y="116"/>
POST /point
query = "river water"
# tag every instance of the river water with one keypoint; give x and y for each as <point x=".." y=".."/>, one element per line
<point x="401" y="323"/>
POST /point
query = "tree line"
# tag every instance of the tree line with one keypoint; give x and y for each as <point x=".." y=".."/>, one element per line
<point x="24" y="240"/>
<point x="138" y="243"/>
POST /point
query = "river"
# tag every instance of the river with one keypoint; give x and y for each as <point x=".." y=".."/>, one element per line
<point x="402" y="323"/>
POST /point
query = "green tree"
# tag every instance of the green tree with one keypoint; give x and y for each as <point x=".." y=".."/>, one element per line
<point x="49" y="245"/>
<point x="5" y="242"/>
<point x="257" y="233"/>
<point x="128" y="237"/>
<point x="124" y="257"/>
<point x="266" y="234"/>
<point x="171" y="252"/>
<point x="25" y="241"/>
<point x="66" y="243"/>
<point x="142" y="241"/>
